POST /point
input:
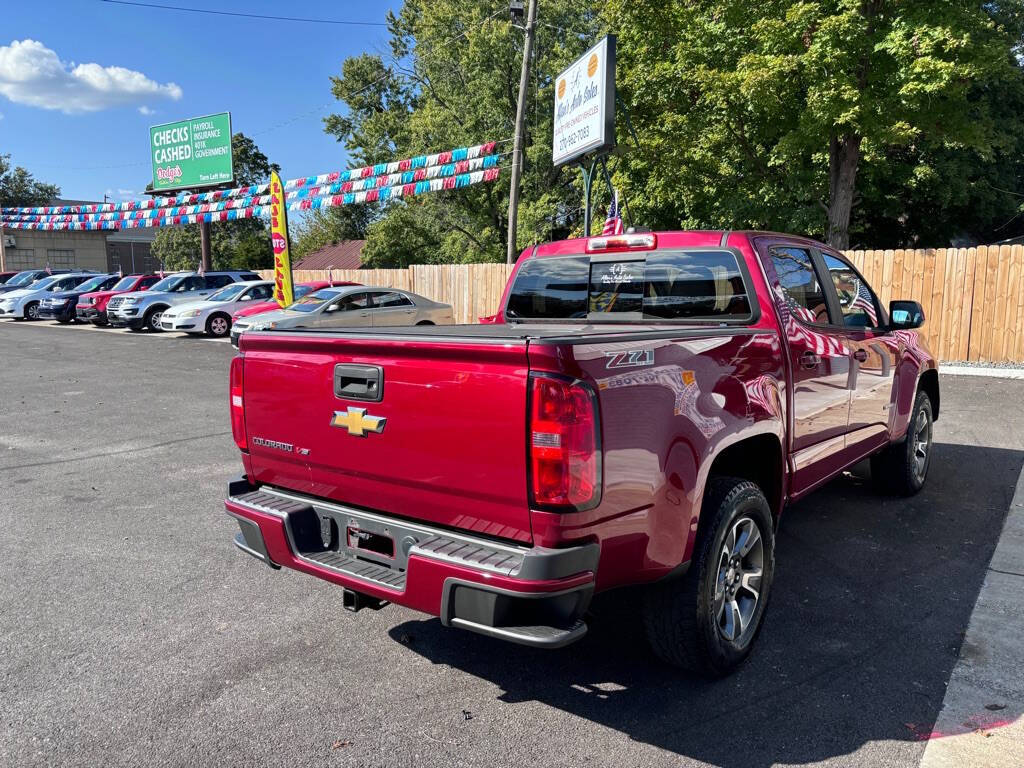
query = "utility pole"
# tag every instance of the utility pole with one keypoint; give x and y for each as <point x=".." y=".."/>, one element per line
<point x="517" y="147"/>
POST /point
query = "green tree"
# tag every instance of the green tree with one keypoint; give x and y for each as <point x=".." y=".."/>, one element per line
<point x="240" y="244"/>
<point x="451" y="79"/>
<point x="800" y="114"/>
<point x="19" y="188"/>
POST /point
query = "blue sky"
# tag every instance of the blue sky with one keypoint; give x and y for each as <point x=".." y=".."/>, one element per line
<point x="85" y="127"/>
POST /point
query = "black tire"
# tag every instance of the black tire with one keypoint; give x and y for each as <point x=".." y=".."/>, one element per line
<point x="217" y="330"/>
<point x="680" y="616"/>
<point x="152" y="319"/>
<point x="31" y="310"/>
<point x="66" y="319"/>
<point x="99" y="323"/>
<point x="901" y="469"/>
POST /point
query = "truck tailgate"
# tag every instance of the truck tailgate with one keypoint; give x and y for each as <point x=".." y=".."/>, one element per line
<point x="451" y="448"/>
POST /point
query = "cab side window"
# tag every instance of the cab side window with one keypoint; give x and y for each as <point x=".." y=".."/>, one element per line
<point x="390" y="300"/>
<point x="193" y="283"/>
<point x="856" y="299"/>
<point x="260" y="292"/>
<point x="218" y="281"/>
<point x="354" y="301"/>
<point x="804" y="294"/>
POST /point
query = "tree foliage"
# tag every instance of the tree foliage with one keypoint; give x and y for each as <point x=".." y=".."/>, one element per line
<point x="451" y="78"/>
<point x="866" y="122"/>
<point x="240" y="244"/>
<point x="19" y="188"/>
<point x="797" y="115"/>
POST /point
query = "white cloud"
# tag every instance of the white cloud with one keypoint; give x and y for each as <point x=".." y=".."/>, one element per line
<point x="31" y="73"/>
<point x="144" y="110"/>
<point x="126" y="192"/>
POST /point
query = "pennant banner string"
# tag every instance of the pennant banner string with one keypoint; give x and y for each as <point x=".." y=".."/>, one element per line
<point x="262" y="209"/>
<point x="464" y="158"/>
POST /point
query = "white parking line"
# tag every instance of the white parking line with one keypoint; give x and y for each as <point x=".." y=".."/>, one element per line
<point x="119" y="331"/>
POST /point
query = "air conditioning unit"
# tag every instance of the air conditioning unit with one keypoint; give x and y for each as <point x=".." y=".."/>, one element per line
<point x="9" y="241"/>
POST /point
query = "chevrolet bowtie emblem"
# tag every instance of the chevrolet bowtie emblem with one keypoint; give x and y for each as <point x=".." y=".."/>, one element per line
<point x="357" y="422"/>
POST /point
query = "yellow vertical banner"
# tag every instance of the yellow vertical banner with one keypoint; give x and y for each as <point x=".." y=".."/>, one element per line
<point x="279" y="238"/>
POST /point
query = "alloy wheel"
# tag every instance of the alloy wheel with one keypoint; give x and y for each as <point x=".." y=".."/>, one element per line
<point x="922" y="437"/>
<point x="218" y="326"/>
<point x="738" y="585"/>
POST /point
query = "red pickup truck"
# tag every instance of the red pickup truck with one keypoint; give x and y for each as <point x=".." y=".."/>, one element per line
<point x="641" y="415"/>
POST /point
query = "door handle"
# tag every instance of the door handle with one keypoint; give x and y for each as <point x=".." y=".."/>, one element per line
<point x="860" y="355"/>
<point x="810" y="360"/>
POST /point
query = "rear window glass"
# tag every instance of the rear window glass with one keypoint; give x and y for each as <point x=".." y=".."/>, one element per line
<point x="700" y="285"/>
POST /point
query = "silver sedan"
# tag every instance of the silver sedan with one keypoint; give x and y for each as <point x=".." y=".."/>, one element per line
<point x="348" y="307"/>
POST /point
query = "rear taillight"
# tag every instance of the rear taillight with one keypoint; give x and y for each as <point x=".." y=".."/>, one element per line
<point x="237" y="408"/>
<point x="565" y="454"/>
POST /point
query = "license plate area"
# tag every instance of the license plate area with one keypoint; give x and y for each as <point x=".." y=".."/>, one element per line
<point x="360" y="541"/>
<point x="364" y="538"/>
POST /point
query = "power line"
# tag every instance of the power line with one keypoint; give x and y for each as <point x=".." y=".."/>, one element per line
<point x="159" y="6"/>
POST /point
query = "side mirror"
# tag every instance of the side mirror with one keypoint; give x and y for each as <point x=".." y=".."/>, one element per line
<point x="332" y="308"/>
<point x="905" y="315"/>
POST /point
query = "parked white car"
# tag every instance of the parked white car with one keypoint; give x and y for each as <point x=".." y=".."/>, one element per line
<point x="213" y="315"/>
<point x="24" y="302"/>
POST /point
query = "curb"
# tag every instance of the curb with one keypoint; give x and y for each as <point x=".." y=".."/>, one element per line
<point x="981" y="724"/>
<point x="970" y="370"/>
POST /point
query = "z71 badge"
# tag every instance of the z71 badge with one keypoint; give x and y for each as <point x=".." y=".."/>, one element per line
<point x="636" y="358"/>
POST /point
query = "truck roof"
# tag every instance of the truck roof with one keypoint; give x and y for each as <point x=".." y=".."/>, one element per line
<point x="690" y="238"/>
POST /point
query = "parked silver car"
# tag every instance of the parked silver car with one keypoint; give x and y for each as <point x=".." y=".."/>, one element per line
<point x="350" y="306"/>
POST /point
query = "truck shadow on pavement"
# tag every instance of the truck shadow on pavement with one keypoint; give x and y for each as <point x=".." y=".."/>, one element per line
<point x="871" y="600"/>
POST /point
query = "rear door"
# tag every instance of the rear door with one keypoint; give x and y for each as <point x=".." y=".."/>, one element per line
<point x="820" y="361"/>
<point x="873" y="352"/>
<point x="392" y="308"/>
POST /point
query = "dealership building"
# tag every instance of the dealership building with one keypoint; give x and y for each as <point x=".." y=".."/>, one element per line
<point x="99" y="250"/>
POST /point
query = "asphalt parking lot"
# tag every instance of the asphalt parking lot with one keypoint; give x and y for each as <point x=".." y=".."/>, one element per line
<point x="133" y="633"/>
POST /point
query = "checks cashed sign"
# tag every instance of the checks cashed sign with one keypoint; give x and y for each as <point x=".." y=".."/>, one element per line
<point x="585" y="104"/>
<point x="192" y="154"/>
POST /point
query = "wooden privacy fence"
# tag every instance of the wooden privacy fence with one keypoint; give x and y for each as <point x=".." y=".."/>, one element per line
<point x="973" y="298"/>
<point x="473" y="290"/>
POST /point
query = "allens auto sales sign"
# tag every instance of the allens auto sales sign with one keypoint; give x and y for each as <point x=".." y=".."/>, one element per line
<point x="585" y="104"/>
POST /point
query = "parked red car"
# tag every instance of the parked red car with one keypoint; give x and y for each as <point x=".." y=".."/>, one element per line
<point x="93" y="306"/>
<point x="642" y="416"/>
<point x="300" y="290"/>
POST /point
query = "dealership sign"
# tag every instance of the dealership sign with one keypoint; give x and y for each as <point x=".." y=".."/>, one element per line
<point x="585" y="105"/>
<point x="191" y="154"/>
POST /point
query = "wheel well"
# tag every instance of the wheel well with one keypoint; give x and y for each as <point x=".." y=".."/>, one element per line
<point x="424" y="322"/>
<point x="758" y="459"/>
<point x="930" y="385"/>
<point x="154" y="308"/>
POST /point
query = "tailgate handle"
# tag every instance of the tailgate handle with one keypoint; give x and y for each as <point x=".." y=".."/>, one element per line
<point x="359" y="382"/>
